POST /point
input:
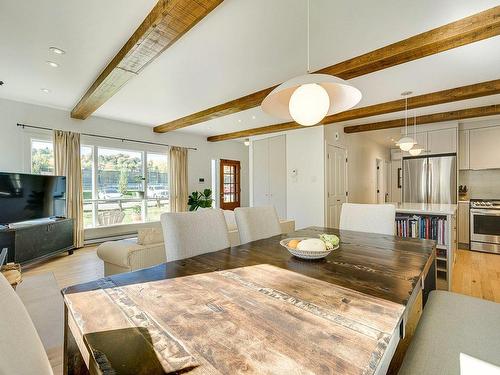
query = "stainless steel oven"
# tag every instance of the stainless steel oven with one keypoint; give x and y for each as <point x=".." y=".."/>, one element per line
<point x="485" y="225"/>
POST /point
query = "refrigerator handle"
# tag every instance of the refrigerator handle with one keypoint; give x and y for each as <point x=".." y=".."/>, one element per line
<point x="429" y="181"/>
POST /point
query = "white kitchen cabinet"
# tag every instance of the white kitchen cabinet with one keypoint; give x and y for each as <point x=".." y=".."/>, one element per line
<point x="484" y="148"/>
<point x="463" y="222"/>
<point x="269" y="173"/>
<point x="442" y="141"/>
<point x="463" y="149"/>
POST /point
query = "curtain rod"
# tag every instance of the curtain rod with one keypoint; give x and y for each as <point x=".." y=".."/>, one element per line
<point x="106" y="137"/>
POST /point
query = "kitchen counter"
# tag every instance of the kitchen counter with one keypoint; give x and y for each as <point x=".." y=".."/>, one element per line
<point x="426" y="208"/>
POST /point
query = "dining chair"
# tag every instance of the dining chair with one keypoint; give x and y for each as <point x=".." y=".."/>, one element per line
<point x="21" y="350"/>
<point x="371" y="218"/>
<point x="188" y="234"/>
<point x="255" y="223"/>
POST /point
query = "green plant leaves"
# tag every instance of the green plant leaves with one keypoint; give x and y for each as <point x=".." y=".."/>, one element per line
<point x="200" y="199"/>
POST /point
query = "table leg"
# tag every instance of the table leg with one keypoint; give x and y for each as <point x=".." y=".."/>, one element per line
<point x="73" y="361"/>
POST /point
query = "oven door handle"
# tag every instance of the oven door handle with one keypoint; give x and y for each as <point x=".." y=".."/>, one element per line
<point x="484" y="212"/>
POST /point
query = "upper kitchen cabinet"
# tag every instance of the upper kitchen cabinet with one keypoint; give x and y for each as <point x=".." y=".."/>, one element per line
<point x="442" y="141"/>
<point x="484" y="148"/>
<point x="463" y="149"/>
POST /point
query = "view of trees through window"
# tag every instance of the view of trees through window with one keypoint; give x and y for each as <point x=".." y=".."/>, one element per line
<point x="42" y="157"/>
<point x="119" y="187"/>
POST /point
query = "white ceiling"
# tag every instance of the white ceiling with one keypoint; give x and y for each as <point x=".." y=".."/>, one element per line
<point x="241" y="47"/>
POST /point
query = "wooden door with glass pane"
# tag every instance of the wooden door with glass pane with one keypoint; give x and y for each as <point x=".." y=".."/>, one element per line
<point x="229" y="184"/>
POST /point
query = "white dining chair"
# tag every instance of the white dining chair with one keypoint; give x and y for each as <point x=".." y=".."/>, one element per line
<point x="21" y="351"/>
<point x="188" y="234"/>
<point x="371" y="218"/>
<point x="255" y="223"/>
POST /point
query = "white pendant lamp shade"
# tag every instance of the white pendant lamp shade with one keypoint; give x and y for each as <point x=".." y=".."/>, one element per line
<point x="307" y="99"/>
<point x="406" y="143"/>
<point x="416" y="150"/>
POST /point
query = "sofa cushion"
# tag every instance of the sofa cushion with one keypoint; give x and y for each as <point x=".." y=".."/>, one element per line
<point x="452" y="324"/>
<point x="148" y="236"/>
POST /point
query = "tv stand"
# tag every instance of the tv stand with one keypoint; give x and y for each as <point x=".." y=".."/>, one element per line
<point x="37" y="239"/>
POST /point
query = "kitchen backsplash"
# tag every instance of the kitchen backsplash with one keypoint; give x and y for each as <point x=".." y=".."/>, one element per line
<point x="481" y="184"/>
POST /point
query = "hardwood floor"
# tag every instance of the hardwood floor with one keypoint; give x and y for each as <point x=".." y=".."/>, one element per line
<point x="82" y="266"/>
<point x="475" y="274"/>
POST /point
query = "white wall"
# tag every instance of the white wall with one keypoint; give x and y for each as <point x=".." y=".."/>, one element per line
<point x="15" y="153"/>
<point x="306" y="191"/>
<point x="362" y="168"/>
<point x="362" y="153"/>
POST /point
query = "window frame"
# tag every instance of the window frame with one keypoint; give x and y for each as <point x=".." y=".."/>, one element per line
<point x="115" y="146"/>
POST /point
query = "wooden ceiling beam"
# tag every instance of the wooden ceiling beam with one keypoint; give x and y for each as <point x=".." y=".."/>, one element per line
<point x="489" y="110"/>
<point x="467" y="30"/>
<point x="439" y="97"/>
<point x="163" y="26"/>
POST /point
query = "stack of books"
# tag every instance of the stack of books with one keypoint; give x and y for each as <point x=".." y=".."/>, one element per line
<point x="426" y="227"/>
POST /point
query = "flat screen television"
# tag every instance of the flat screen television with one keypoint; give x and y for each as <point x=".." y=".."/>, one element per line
<point x="27" y="197"/>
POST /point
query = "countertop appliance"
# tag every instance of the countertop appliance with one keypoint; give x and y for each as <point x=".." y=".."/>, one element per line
<point x="485" y="225"/>
<point x="430" y="179"/>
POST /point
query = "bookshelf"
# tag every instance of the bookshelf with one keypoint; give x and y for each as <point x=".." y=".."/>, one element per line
<point x="437" y="225"/>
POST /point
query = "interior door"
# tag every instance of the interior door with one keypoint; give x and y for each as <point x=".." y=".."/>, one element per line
<point x="336" y="184"/>
<point x="277" y="174"/>
<point x="230" y="188"/>
<point x="260" y="173"/>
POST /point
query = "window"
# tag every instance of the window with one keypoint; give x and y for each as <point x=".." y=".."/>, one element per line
<point x="119" y="186"/>
<point x="157" y="186"/>
<point x="42" y="157"/>
<point x="87" y="161"/>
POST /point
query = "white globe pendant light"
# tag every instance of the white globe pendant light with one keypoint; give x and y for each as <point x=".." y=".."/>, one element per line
<point x="416" y="150"/>
<point x="309" y="104"/>
<point x="406" y="143"/>
<point x="309" y="98"/>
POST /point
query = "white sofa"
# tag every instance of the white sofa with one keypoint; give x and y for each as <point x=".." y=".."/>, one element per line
<point x="136" y="253"/>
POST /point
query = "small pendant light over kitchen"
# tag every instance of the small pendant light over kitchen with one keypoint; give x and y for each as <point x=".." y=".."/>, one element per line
<point x="406" y="142"/>
<point x="309" y="98"/>
<point x="416" y="149"/>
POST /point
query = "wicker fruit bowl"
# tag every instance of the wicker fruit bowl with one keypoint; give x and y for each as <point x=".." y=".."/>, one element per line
<point x="304" y="252"/>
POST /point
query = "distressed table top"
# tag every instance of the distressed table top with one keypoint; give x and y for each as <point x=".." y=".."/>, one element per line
<point x="253" y="320"/>
<point x="255" y="308"/>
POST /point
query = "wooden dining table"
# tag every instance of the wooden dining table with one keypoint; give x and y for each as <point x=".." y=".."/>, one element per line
<point x="255" y="309"/>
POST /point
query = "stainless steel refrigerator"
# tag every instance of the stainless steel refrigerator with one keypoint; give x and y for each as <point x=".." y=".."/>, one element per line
<point x="430" y="179"/>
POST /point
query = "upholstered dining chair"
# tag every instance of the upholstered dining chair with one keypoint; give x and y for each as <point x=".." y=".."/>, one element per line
<point x="188" y="234"/>
<point x="255" y="223"/>
<point x="371" y="218"/>
<point x="21" y="351"/>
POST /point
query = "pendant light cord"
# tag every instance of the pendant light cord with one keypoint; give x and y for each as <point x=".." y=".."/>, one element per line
<point x="308" y="37"/>
<point x="406" y="115"/>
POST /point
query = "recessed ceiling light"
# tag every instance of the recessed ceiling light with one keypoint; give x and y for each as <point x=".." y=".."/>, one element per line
<point x="253" y="117"/>
<point x="239" y="120"/>
<point x="46" y="91"/>
<point x="57" y="51"/>
<point x="53" y="64"/>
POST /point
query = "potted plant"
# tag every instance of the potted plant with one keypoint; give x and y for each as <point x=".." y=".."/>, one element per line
<point x="136" y="213"/>
<point x="200" y="199"/>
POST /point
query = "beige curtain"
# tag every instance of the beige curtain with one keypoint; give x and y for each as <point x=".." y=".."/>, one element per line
<point x="67" y="163"/>
<point x="178" y="177"/>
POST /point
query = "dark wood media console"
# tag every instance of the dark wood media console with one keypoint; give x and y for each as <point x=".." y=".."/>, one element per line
<point x="37" y="241"/>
